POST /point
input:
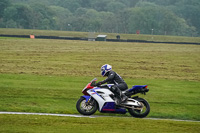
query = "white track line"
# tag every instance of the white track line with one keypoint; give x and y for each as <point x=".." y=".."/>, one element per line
<point x="26" y="113"/>
<point x="93" y="116"/>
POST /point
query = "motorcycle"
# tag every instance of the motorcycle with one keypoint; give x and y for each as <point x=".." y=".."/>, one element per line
<point x="101" y="98"/>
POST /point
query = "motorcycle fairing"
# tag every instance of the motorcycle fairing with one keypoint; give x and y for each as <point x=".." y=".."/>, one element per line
<point x="102" y="96"/>
<point x="108" y="107"/>
<point x="137" y="87"/>
<point x="86" y="97"/>
<point x="111" y="108"/>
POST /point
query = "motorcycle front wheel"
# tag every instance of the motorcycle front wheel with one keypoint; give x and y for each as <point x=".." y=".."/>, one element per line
<point x="140" y="112"/>
<point x="86" y="108"/>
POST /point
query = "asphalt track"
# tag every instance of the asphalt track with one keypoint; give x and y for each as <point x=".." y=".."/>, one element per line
<point x="92" y="116"/>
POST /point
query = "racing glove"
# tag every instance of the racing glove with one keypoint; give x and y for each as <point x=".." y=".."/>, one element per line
<point x="99" y="83"/>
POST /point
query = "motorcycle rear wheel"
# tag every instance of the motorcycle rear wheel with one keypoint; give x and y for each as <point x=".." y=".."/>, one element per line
<point x="140" y="112"/>
<point x="86" y="108"/>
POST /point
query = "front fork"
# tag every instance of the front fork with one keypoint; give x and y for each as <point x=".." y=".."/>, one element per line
<point x="87" y="98"/>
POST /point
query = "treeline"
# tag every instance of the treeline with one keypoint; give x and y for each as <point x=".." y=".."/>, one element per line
<point x="167" y="17"/>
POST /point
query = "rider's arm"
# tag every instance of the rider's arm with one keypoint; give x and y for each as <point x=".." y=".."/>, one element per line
<point x="110" y="77"/>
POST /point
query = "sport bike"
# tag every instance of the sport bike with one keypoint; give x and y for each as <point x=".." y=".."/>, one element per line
<point x="101" y="98"/>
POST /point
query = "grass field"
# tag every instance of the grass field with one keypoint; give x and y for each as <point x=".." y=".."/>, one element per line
<point x="55" y="124"/>
<point x="53" y="94"/>
<point x="48" y="75"/>
<point x="83" y="58"/>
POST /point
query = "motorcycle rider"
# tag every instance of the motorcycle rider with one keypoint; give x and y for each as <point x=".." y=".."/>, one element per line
<point x="114" y="78"/>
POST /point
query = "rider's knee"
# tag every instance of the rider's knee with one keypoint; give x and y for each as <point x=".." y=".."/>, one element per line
<point x="113" y="88"/>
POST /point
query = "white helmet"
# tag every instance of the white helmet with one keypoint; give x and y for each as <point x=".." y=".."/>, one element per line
<point x="105" y="68"/>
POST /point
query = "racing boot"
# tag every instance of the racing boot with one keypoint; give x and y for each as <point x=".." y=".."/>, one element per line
<point x="122" y="97"/>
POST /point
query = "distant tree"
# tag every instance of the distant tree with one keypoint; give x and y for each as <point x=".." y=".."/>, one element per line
<point x="85" y="3"/>
<point x="108" y="22"/>
<point x="61" y="17"/>
<point x="190" y="11"/>
<point x="43" y="17"/>
<point x="19" y="15"/>
<point x="171" y="24"/>
<point x="100" y="5"/>
<point x="172" y="17"/>
<point x="72" y="5"/>
<point x="3" y="5"/>
<point x="129" y="3"/>
<point x="10" y="13"/>
<point x="115" y="7"/>
<point x="80" y="12"/>
<point x="160" y="20"/>
<point x="91" y="14"/>
<point x="164" y="2"/>
<point x="79" y="23"/>
<point x="123" y="18"/>
<point x="10" y="24"/>
<point x="93" y="20"/>
<point x="145" y="4"/>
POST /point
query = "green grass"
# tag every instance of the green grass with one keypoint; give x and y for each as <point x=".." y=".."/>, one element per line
<point x="9" y="31"/>
<point x="54" y="94"/>
<point x="65" y="67"/>
<point x="47" y="76"/>
<point x="51" y="124"/>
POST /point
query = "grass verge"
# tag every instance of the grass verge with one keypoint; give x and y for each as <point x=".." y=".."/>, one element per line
<point x="50" y="124"/>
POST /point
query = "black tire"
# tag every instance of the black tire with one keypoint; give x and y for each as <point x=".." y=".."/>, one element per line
<point x="142" y="112"/>
<point x="86" y="108"/>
